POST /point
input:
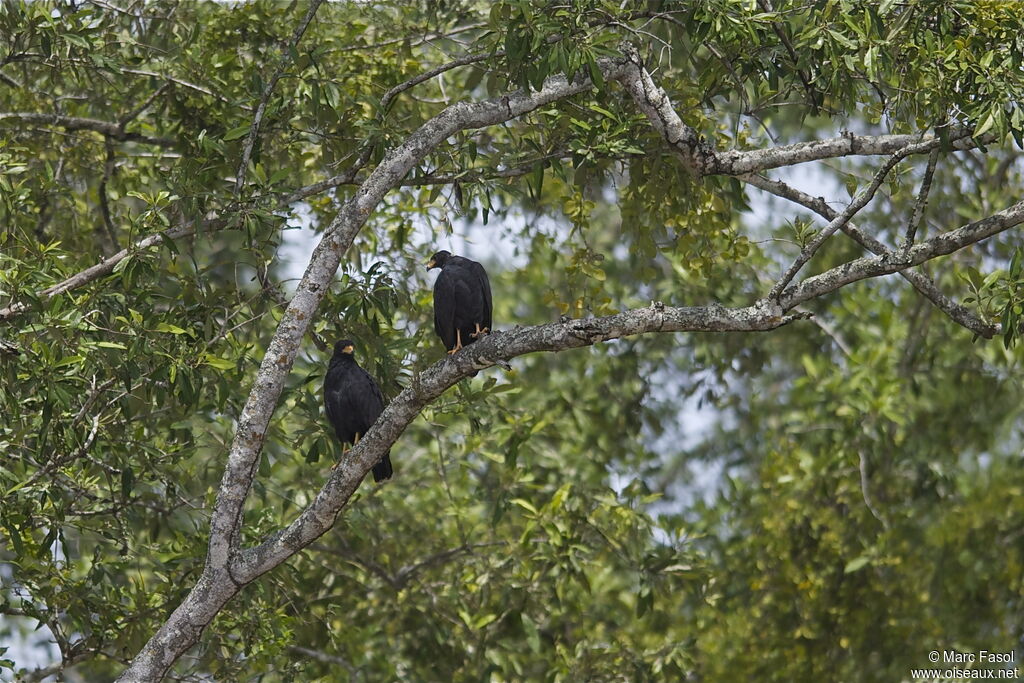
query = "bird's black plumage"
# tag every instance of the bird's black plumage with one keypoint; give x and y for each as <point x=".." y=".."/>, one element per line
<point x="353" y="402"/>
<point x="462" y="300"/>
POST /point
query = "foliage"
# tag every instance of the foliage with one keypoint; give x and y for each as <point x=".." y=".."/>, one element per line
<point x="542" y="523"/>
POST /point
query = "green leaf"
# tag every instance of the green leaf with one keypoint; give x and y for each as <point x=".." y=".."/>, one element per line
<point x="217" y="362"/>
<point x="172" y="329"/>
<point x="855" y="564"/>
<point x="236" y="133"/>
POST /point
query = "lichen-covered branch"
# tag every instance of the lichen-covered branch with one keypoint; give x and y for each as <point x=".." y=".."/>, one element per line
<point x="652" y="99"/>
<point x="220" y="580"/>
<point x="874" y="266"/>
<point x="859" y="201"/>
<point x="319" y="516"/>
<point x="921" y="282"/>
<point x="229" y="566"/>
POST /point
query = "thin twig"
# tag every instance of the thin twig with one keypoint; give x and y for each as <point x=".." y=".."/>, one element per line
<point x="134" y="113"/>
<point x="830" y="331"/>
<point x="420" y="41"/>
<point x="183" y="83"/>
<point x="922" y="200"/>
<point x="385" y="101"/>
<point x="261" y="109"/>
<point x="104" y="201"/>
<point x="864" y="491"/>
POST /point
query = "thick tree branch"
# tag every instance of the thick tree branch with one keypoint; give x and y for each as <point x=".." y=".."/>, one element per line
<point x="700" y="158"/>
<point x="653" y="101"/>
<point x="738" y="162"/>
<point x="218" y="585"/>
<point x="229" y="567"/>
<point x="320" y="515"/>
<point x="921" y="282"/>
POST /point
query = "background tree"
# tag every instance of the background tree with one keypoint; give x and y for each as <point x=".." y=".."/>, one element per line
<point x="830" y="500"/>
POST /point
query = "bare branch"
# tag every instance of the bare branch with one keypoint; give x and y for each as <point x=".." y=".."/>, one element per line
<point x="921" y="282"/>
<point x="229" y="566"/>
<point x="9" y="81"/>
<point x="859" y="201"/>
<point x="696" y="154"/>
<point x="60" y="461"/>
<point x="922" y="200"/>
<point x="403" y="575"/>
<point x="385" y="101"/>
<point x="133" y="114"/>
<point x="318" y="517"/>
<point x="868" y="267"/>
<point x="181" y="82"/>
<point x="733" y="162"/>
<point x="829" y="330"/>
<point x="425" y="39"/>
<point x="739" y="162"/>
<point x="102" y="268"/>
<point x="699" y="157"/>
<point x="346" y="178"/>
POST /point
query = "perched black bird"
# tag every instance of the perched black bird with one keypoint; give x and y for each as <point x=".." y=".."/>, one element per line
<point x="353" y="402"/>
<point x="462" y="300"/>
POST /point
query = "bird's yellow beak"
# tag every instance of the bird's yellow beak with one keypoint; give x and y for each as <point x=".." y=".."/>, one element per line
<point x="348" y="349"/>
<point x="431" y="263"/>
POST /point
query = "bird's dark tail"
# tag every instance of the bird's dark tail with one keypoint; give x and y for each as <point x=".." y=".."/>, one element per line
<point x="382" y="470"/>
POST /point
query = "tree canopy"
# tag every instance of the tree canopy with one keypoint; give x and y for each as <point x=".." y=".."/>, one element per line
<point x="756" y="266"/>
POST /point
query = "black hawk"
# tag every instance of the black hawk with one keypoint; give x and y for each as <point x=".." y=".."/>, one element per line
<point x="462" y="300"/>
<point x="353" y="402"/>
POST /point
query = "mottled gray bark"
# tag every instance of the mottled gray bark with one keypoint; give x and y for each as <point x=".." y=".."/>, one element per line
<point x="219" y="582"/>
<point x="697" y="155"/>
<point x="921" y="282"/>
<point x="873" y="266"/>
<point x="319" y="516"/>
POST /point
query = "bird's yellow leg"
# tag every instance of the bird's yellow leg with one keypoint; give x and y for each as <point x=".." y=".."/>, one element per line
<point x="458" y="342"/>
<point x="345" y="451"/>
<point x="479" y="331"/>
